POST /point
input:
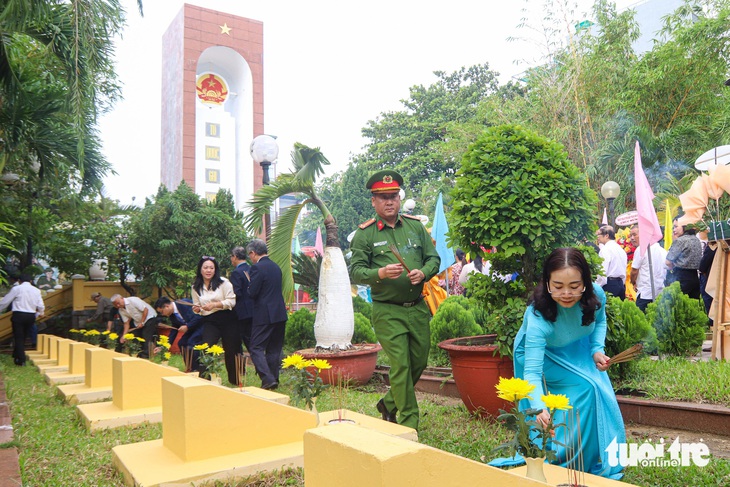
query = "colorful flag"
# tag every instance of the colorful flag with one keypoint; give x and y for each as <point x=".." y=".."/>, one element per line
<point x="296" y="247"/>
<point x="318" y="247"/>
<point x="668" y="226"/>
<point x="649" y="230"/>
<point x="438" y="233"/>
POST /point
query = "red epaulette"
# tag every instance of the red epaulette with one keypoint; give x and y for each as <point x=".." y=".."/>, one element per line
<point x="366" y="224"/>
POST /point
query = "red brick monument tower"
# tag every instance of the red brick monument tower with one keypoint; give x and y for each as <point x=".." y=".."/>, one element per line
<point x="212" y="102"/>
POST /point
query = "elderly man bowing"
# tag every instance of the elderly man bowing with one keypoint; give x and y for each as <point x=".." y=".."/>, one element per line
<point x="400" y="315"/>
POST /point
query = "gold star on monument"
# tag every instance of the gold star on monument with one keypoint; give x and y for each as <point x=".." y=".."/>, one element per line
<point x="225" y="29"/>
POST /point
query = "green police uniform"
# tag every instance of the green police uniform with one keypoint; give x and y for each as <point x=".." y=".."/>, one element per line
<point x="400" y="316"/>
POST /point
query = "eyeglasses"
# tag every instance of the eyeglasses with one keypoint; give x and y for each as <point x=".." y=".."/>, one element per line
<point x="566" y="292"/>
<point x="207" y="257"/>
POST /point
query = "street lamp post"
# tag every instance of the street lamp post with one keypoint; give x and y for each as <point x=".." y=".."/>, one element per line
<point x="264" y="150"/>
<point x="610" y="190"/>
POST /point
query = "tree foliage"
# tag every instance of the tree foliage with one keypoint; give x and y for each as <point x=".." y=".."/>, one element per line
<point x="518" y="192"/>
<point x="596" y="96"/>
<point x="411" y="141"/>
<point x="173" y="230"/>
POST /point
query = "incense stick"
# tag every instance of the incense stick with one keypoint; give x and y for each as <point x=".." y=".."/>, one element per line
<point x="187" y="353"/>
<point x="627" y="355"/>
<point x="397" y="255"/>
<point x="240" y="371"/>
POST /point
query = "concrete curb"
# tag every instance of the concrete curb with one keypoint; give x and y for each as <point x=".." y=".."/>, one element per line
<point x="704" y="418"/>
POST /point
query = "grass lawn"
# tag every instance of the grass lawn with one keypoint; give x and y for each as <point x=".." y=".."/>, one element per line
<point x="56" y="450"/>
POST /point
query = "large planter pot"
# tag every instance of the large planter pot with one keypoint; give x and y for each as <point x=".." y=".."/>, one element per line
<point x="354" y="367"/>
<point x="476" y="371"/>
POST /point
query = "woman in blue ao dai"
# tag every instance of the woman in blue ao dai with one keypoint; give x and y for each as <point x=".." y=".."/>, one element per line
<point x="562" y="340"/>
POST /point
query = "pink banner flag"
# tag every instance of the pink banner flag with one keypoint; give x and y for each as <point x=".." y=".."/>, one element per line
<point x="318" y="243"/>
<point x="649" y="230"/>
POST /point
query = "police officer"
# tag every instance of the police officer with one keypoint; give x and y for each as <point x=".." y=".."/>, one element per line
<point x="400" y="315"/>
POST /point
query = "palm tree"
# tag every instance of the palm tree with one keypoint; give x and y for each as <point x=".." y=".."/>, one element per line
<point x="334" y="324"/>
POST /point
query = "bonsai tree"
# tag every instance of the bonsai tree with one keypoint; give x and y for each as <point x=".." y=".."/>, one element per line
<point x="517" y="191"/>
<point x="334" y="322"/>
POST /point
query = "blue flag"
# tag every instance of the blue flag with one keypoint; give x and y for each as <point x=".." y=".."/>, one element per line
<point x="438" y="232"/>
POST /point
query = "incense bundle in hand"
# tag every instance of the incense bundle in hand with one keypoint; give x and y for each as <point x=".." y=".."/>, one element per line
<point x="394" y="249"/>
<point x="628" y="354"/>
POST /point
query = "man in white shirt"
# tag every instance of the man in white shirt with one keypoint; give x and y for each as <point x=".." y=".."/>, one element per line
<point x="145" y="320"/>
<point x="27" y="305"/>
<point x="640" y="275"/>
<point x="614" y="263"/>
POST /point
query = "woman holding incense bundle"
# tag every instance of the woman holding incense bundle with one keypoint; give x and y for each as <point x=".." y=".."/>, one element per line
<point x="560" y="349"/>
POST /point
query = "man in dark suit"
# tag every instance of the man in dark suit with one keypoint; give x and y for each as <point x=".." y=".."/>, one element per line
<point x="240" y="277"/>
<point x="269" y="315"/>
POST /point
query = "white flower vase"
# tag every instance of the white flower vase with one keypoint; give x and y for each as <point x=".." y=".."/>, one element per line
<point x="534" y="469"/>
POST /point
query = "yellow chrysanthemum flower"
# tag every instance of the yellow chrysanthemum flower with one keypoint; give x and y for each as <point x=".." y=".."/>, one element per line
<point x="556" y="401"/>
<point x="93" y="332"/>
<point x="129" y="336"/>
<point x="514" y="389"/>
<point x="320" y="364"/>
<point x="105" y="332"/>
<point x="163" y="339"/>
<point x="293" y="360"/>
<point x="73" y="330"/>
<point x="167" y="355"/>
<point x="215" y="350"/>
<point x="140" y="339"/>
<point x="202" y="346"/>
<point x="113" y="336"/>
<point x="166" y="345"/>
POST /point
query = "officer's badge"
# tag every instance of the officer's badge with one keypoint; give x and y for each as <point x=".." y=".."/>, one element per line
<point x="387" y="179"/>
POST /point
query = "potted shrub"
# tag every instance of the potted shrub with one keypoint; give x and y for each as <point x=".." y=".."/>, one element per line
<point x="335" y="319"/>
<point x="518" y="192"/>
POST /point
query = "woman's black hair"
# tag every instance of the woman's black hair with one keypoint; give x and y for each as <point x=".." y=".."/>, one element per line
<point x="478" y="263"/>
<point x="685" y="230"/>
<point x="563" y="258"/>
<point x="215" y="281"/>
<point x="460" y="256"/>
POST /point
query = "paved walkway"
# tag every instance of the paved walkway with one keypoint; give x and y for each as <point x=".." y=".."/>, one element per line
<point x="9" y="466"/>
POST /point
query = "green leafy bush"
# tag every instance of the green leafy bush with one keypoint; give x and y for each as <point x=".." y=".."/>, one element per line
<point x="359" y="305"/>
<point x="679" y="321"/>
<point x="626" y="326"/>
<point x="505" y="322"/>
<point x="364" y="332"/>
<point x="452" y="320"/>
<point x="519" y="192"/>
<point x="299" y="332"/>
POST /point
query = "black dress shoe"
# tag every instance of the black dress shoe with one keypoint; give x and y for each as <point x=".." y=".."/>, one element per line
<point x="387" y="415"/>
<point x="270" y="387"/>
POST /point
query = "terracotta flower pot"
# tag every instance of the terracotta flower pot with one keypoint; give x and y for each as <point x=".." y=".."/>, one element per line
<point x="355" y="366"/>
<point x="476" y="371"/>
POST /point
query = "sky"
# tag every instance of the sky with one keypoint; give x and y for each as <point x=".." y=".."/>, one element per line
<point x="329" y="68"/>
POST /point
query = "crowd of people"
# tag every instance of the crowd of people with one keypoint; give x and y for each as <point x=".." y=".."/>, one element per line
<point x="246" y="310"/>
<point x="559" y="347"/>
